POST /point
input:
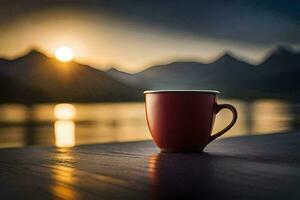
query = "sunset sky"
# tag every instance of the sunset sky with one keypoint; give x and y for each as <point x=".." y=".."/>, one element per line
<point x="132" y="35"/>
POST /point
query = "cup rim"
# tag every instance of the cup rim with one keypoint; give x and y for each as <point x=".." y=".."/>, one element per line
<point x="175" y="91"/>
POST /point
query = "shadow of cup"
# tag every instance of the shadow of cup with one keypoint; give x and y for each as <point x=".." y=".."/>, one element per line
<point x="182" y="176"/>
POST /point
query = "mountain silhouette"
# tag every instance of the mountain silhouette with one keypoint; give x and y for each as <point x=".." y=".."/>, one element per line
<point x="34" y="77"/>
<point x="276" y="77"/>
<point x="279" y="74"/>
<point x="14" y="91"/>
<point x="54" y="81"/>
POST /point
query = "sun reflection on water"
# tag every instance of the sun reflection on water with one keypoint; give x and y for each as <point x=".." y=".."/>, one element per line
<point x="64" y="127"/>
<point x="64" y="111"/>
<point x="64" y="133"/>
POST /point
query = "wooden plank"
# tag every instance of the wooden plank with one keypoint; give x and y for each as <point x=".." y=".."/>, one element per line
<point x="251" y="167"/>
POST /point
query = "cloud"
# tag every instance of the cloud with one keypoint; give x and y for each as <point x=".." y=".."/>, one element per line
<point x="259" y="22"/>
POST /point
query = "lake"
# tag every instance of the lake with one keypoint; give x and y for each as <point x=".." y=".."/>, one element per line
<point x="67" y="125"/>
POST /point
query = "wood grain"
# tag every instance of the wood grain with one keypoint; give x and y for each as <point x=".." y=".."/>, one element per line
<point x="251" y="167"/>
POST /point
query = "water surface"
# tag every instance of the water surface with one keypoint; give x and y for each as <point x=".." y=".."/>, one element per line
<point x="66" y="125"/>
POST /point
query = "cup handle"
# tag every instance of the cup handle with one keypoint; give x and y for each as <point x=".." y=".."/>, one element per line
<point x="229" y="126"/>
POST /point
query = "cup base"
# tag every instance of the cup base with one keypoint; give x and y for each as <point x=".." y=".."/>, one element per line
<point x="181" y="150"/>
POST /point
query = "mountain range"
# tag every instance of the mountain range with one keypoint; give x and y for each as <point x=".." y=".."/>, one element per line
<point x="34" y="77"/>
<point x="276" y="77"/>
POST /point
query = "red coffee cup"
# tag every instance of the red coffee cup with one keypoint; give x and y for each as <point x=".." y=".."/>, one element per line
<point x="182" y="120"/>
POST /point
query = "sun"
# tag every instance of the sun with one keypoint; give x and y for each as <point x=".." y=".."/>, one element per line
<point x="64" y="54"/>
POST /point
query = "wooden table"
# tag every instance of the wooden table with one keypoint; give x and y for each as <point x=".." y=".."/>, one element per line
<point x="251" y="167"/>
